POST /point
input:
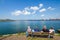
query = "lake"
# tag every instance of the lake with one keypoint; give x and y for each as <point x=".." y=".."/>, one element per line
<point x="21" y="26"/>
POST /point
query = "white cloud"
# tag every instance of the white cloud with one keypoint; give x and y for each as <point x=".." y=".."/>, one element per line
<point x="50" y="8"/>
<point x="25" y="12"/>
<point x="40" y="5"/>
<point x="16" y="12"/>
<point x="42" y="10"/>
<point x="34" y="8"/>
<point x="31" y="10"/>
<point x="26" y="8"/>
<point x="42" y="15"/>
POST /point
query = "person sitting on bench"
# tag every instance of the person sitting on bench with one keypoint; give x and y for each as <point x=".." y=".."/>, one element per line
<point x="45" y="29"/>
<point x="28" y="30"/>
<point x="36" y="29"/>
<point x="51" y="30"/>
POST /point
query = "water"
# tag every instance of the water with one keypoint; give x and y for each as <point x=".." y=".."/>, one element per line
<point x="21" y="26"/>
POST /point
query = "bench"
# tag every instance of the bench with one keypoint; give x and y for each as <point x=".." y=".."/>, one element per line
<point x="41" y="34"/>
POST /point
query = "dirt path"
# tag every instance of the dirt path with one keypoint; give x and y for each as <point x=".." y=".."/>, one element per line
<point x="56" y="38"/>
<point x="14" y="37"/>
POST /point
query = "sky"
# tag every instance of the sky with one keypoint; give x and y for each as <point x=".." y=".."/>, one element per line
<point x="29" y="9"/>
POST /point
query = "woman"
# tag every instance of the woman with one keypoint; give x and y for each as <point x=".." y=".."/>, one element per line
<point x="28" y="30"/>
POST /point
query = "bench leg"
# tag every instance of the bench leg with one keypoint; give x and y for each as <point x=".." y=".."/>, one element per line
<point x="49" y="36"/>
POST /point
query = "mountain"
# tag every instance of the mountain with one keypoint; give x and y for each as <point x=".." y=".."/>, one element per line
<point x="3" y="20"/>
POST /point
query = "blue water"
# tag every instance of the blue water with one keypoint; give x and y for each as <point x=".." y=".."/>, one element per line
<point x="21" y="26"/>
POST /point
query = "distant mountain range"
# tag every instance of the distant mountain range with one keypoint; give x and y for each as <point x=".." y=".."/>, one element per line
<point x="30" y="20"/>
<point x="6" y="20"/>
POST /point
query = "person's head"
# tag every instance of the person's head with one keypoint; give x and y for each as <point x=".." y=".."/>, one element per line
<point x="51" y="28"/>
<point x="28" y="27"/>
<point x="44" y="27"/>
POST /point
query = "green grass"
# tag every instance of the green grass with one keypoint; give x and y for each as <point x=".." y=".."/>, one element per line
<point x="31" y="38"/>
<point x="57" y="34"/>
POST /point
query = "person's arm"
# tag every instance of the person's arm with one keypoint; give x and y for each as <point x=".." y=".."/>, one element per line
<point x="54" y="31"/>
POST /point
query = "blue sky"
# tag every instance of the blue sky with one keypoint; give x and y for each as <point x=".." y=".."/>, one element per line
<point x="29" y="9"/>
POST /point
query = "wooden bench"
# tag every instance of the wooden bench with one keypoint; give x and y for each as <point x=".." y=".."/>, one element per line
<point x="41" y="34"/>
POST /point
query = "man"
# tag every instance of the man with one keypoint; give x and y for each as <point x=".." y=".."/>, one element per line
<point x="51" y="30"/>
<point x="45" y="29"/>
